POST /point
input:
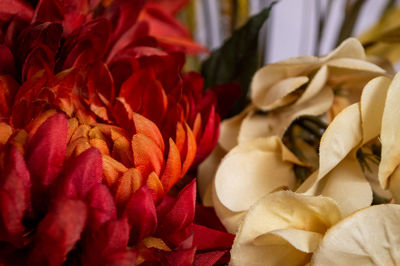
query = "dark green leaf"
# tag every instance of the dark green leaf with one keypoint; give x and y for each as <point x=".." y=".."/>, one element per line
<point x="237" y="59"/>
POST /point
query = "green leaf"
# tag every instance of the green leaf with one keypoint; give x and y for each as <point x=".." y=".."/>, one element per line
<point x="237" y="59"/>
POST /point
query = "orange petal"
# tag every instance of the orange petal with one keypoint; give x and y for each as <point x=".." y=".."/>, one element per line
<point x="95" y="133"/>
<point x="191" y="148"/>
<point x="154" y="183"/>
<point x="180" y="139"/>
<point x="147" y="127"/>
<point x="81" y="131"/>
<point x="101" y="145"/>
<point x="20" y="140"/>
<point x="121" y="151"/>
<point x="5" y="133"/>
<point x="197" y="126"/>
<point x="129" y="182"/>
<point x="147" y="156"/>
<point x="172" y="171"/>
<point x="73" y="124"/>
<point x="112" y="169"/>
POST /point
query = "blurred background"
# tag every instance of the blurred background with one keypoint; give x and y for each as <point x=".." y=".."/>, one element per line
<point x="297" y="27"/>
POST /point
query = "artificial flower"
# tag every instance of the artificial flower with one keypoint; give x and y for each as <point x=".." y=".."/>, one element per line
<point x="286" y="90"/>
<point x="132" y="127"/>
<point x="283" y="228"/>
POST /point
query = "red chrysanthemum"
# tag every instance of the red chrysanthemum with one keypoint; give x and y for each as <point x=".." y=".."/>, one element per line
<point x="97" y="125"/>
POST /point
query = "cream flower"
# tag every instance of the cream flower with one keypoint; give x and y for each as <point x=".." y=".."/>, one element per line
<point x="286" y="90"/>
<point x="283" y="228"/>
<point x="367" y="237"/>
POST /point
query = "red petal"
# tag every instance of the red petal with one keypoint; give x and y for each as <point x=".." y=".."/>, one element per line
<point x="174" y="215"/>
<point x="47" y="150"/>
<point x="145" y="95"/>
<point x="8" y="90"/>
<point x="123" y="15"/>
<point x="137" y="31"/>
<point x="209" y="137"/>
<point x="93" y="35"/>
<point x="101" y="206"/>
<point x="210" y="239"/>
<point x="206" y="216"/>
<point x="10" y="8"/>
<point x="83" y="173"/>
<point x="7" y="64"/>
<point x="208" y="258"/>
<point x="168" y="6"/>
<point x="48" y="10"/>
<point x="14" y="196"/>
<point x="112" y="238"/>
<point x="141" y="214"/>
<point x="58" y="232"/>
<point x="122" y="258"/>
<point x="181" y="257"/>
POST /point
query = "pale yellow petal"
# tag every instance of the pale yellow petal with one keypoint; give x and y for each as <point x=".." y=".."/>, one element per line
<point x="315" y="86"/>
<point x="274" y="96"/>
<point x="367" y="237"/>
<point x="372" y="104"/>
<point x="350" y="48"/>
<point x="355" y="64"/>
<point x="229" y="129"/>
<point x="347" y="185"/>
<point x="390" y="132"/>
<point x="302" y="240"/>
<point x="341" y="136"/>
<point x="250" y="171"/>
<point x="394" y="185"/>
<point x="230" y="219"/>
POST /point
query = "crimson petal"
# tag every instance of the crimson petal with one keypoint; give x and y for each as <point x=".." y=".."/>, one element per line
<point x="14" y="197"/>
<point x="141" y="214"/>
<point x="83" y="173"/>
<point x="58" y="232"/>
<point x="47" y="150"/>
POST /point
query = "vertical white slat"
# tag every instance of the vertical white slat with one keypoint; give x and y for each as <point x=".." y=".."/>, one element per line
<point x="286" y="33"/>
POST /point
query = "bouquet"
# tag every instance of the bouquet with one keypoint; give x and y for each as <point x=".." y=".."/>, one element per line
<point x="113" y="151"/>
